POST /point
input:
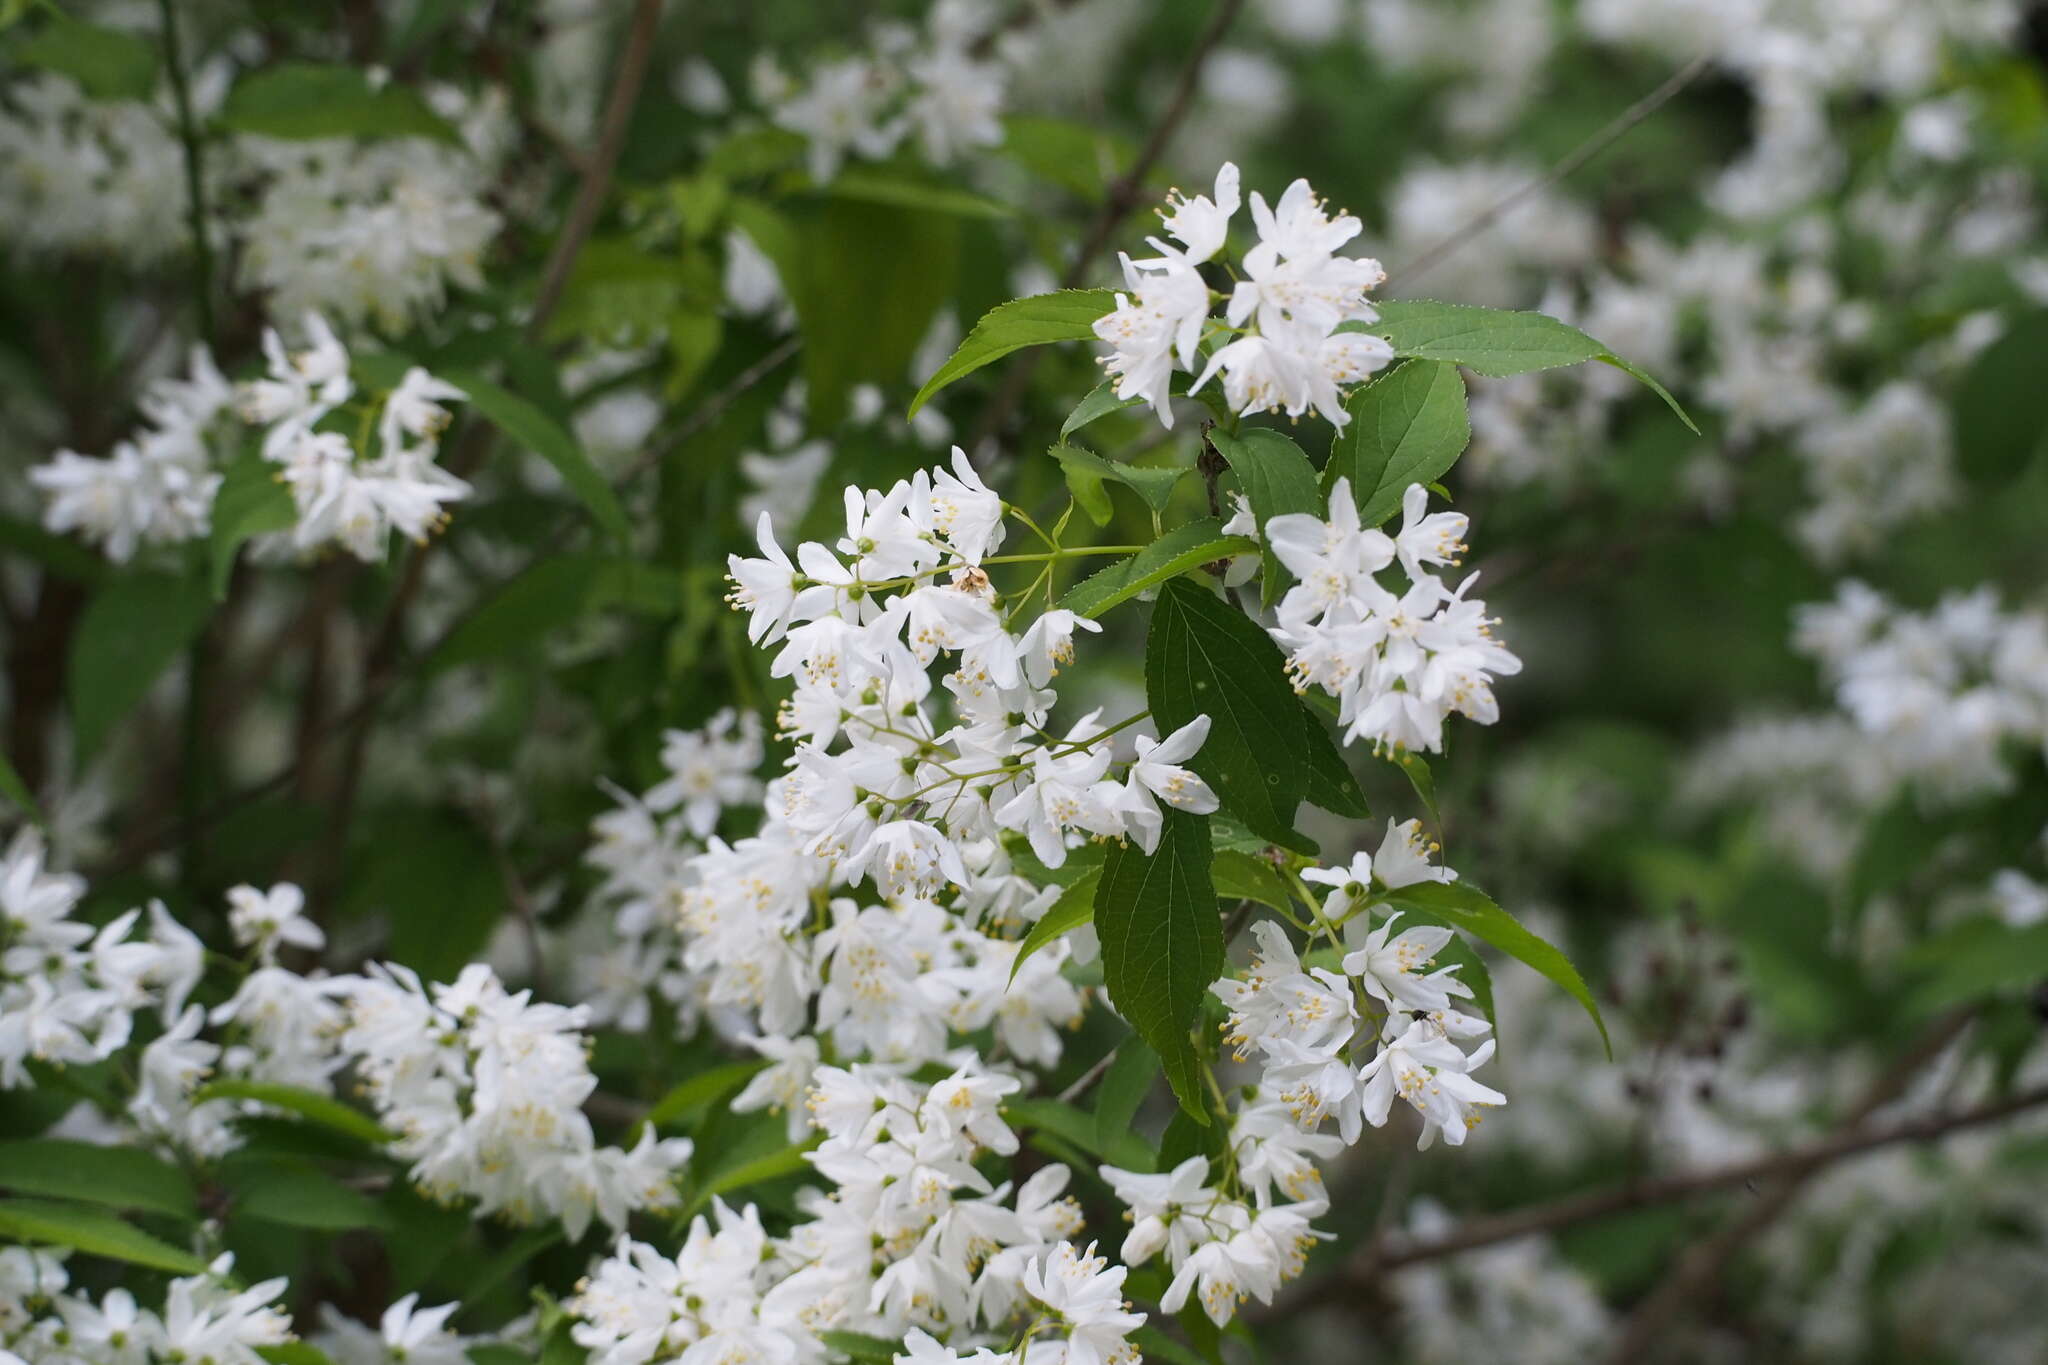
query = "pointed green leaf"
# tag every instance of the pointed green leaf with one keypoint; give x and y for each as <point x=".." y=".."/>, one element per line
<point x="107" y="63"/>
<point x="1204" y="657"/>
<point x="1162" y="944"/>
<point x="131" y="631"/>
<point x="1184" y="548"/>
<point x="307" y="1104"/>
<point x="47" y="1222"/>
<point x="1066" y="315"/>
<point x="308" y="100"/>
<point x="1465" y="907"/>
<point x="1497" y="342"/>
<point x="1153" y="484"/>
<point x="1100" y="402"/>
<point x="1331" y="783"/>
<point x="1249" y="877"/>
<point x="118" y="1177"/>
<point x="1407" y="426"/>
<point x="1276" y="479"/>
<point x="528" y="426"/>
<point x="251" y="502"/>
<point x="1074" y="908"/>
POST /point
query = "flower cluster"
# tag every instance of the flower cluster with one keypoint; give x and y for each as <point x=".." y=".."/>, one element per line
<point x="157" y="488"/>
<point x="204" y="1316"/>
<point x="104" y="177"/>
<point x="363" y="228"/>
<point x="1398" y="665"/>
<point x="69" y="993"/>
<point x="912" y="1241"/>
<point x="933" y="86"/>
<point x="1293" y="347"/>
<point x="483" y="1086"/>
<point x="342" y="499"/>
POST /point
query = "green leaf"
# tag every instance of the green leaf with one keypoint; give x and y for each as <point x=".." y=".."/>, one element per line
<point x="1466" y="907"/>
<point x="1185" y="1137"/>
<point x="298" y="101"/>
<point x="1331" y="783"/>
<point x="774" y="1166"/>
<point x="307" y="1104"/>
<point x="1074" y="908"/>
<point x="1155" y="1343"/>
<point x="131" y="631"/>
<point x="62" y="557"/>
<point x="1065" y="315"/>
<point x="251" y="502"/>
<point x="1185" y="547"/>
<point x="441" y="886"/>
<point x="93" y="1231"/>
<point x="1204" y="657"/>
<point x="1079" y="1130"/>
<point x="298" y="1194"/>
<point x="107" y="63"/>
<point x="1407" y="426"/>
<point x="1276" y="478"/>
<point x="1248" y="877"/>
<point x="1100" y="402"/>
<point x="866" y="280"/>
<point x="16" y="790"/>
<point x="1162" y="944"/>
<point x="1078" y="157"/>
<point x="1416" y="767"/>
<point x="2001" y="407"/>
<point x="1121" y="1093"/>
<point x="118" y="1177"/>
<point x="1154" y="485"/>
<point x="1976" y="959"/>
<point x="530" y="427"/>
<point x="553" y="594"/>
<point x="700" y="1091"/>
<point x="860" y="1346"/>
<point x="880" y="187"/>
<point x="1497" y="342"/>
<point x="294" y="1353"/>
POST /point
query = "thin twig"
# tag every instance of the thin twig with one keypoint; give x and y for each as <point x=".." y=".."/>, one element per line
<point x="1373" y="1262"/>
<point x="1087" y="1079"/>
<point x="1703" y="1262"/>
<point x="1123" y="196"/>
<point x="1606" y="137"/>
<point x="597" y="174"/>
<point x="195" y="164"/>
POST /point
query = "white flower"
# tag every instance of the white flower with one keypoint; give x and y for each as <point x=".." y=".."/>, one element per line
<point x="1389" y="966"/>
<point x="1201" y="224"/>
<point x="1425" y="1068"/>
<point x="1156" y="772"/>
<point x="1168" y="1211"/>
<point x="267" y="920"/>
<point x="1087" y="1293"/>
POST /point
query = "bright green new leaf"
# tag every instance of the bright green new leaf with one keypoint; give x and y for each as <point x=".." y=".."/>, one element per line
<point x="540" y="433"/>
<point x="1074" y="908"/>
<point x="1497" y="342"/>
<point x="1185" y="547"/>
<point x="1407" y="426"/>
<point x="1100" y="402"/>
<point x="300" y="101"/>
<point x="698" y="1093"/>
<point x="1085" y="469"/>
<point x="1276" y="479"/>
<point x="1248" y="877"/>
<point x="48" y="1222"/>
<point x="860" y="1346"/>
<point x="131" y="631"/>
<point x="1465" y="907"/>
<point x="251" y="502"/>
<point x="307" y="1104"/>
<point x="1162" y="944"/>
<point x="1066" y="315"/>
<point x="118" y="1177"/>
<point x="1203" y="657"/>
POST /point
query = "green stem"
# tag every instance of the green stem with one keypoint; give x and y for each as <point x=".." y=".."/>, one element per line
<point x="195" y="170"/>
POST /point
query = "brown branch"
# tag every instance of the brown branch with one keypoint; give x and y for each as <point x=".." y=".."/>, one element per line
<point x="1609" y="134"/>
<point x="1703" y="1263"/>
<point x="1125" y="195"/>
<point x="597" y="174"/>
<point x="1371" y="1263"/>
<point x="387" y="643"/>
